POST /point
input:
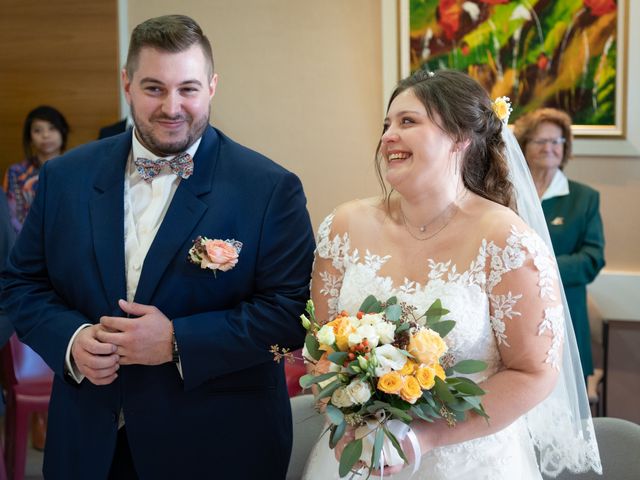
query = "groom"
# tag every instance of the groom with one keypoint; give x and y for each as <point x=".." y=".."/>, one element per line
<point x="163" y="369"/>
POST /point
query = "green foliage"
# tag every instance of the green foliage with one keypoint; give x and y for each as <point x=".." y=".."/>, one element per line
<point x="350" y="455"/>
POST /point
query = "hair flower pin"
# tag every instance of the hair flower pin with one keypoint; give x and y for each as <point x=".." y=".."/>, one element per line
<point x="502" y="108"/>
<point x="215" y="254"/>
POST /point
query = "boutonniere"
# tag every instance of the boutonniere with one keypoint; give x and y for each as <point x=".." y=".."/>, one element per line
<point x="215" y="254"/>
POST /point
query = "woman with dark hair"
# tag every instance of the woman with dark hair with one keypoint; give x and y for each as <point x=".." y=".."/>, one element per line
<point x="447" y="229"/>
<point x="44" y="137"/>
<point x="572" y="212"/>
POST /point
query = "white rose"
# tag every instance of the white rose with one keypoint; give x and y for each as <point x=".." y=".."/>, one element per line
<point x="371" y="318"/>
<point x="389" y="358"/>
<point x="341" y="398"/>
<point x="358" y="391"/>
<point x="362" y="332"/>
<point x="386" y="332"/>
<point x="326" y="335"/>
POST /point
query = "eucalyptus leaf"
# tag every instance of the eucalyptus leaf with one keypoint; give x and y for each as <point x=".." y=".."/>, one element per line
<point x="350" y="455"/>
<point x="469" y="366"/>
<point x="435" y="312"/>
<point x="396" y="444"/>
<point x="338" y="357"/>
<point x="335" y="415"/>
<point x="469" y="387"/>
<point x="401" y="414"/>
<point x="307" y="380"/>
<point x="402" y="327"/>
<point x="391" y="301"/>
<point x="329" y="389"/>
<point x="377" y="448"/>
<point x="473" y="401"/>
<point x="377" y="405"/>
<point x="313" y="346"/>
<point x="367" y="303"/>
<point x="393" y="312"/>
<point x="443" y="327"/>
<point x="420" y="413"/>
<point x="337" y="431"/>
<point x="442" y="391"/>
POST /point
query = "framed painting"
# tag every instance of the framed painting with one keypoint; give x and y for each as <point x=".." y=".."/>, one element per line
<point x="568" y="54"/>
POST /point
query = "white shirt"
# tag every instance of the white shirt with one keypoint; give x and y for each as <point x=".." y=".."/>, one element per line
<point x="145" y="205"/>
<point x="558" y="187"/>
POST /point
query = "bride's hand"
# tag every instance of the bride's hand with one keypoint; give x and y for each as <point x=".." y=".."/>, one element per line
<point x="407" y="448"/>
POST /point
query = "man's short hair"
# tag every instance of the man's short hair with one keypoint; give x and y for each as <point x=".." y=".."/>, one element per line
<point x="169" y="33"/>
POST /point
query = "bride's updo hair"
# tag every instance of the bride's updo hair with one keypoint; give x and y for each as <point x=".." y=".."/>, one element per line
<point x="465" y="113"/>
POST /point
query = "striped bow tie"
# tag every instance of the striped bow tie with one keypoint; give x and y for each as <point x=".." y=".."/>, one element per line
<point x="181" y="165"/>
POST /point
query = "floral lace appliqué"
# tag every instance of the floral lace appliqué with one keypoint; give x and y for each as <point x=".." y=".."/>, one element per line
<point x="554" y="322"/>
<point x="502" y="308"/>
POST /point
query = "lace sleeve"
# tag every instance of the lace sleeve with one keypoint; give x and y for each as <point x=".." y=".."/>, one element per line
<point x="328" y="269"/>
<point x="525" y="308"/>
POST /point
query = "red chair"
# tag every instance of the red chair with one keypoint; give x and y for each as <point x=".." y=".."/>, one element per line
<point x="293" y="372"/>
<point x="27" y="382"/>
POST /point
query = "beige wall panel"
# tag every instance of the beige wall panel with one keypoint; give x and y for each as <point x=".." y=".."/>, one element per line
<point x="63" y="53"/>
<point x="300" y="81"/>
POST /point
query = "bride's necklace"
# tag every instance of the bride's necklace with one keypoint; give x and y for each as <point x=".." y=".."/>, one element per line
<point x="445" y="216"/>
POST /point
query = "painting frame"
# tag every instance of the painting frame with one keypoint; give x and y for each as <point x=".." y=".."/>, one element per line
<point x="397" y="27"/>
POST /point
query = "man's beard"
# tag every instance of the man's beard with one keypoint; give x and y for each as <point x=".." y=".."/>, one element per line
<point x="166" y="149"/>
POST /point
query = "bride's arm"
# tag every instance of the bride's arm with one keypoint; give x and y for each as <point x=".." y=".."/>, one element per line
<point x="527" y="319"/>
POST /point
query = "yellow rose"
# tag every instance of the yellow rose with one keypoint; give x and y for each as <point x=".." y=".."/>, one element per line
<point x="410" y="390"/>
<point x="427" y="346"/>
<point x="502" y="108"/>
<point x="390" y="383"/>
<point x="426" y="377"/>
<point x="440" y="371"/>
<point x="408" y="368"/>
<point x="342" y="328"/>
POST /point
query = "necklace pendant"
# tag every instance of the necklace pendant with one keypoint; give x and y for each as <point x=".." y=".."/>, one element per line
<point x="423" y="228"/>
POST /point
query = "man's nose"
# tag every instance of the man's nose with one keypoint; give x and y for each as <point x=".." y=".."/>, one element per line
<point x="171" y="105"/>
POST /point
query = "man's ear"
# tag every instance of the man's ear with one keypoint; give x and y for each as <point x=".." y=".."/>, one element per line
<point x="126" y="85"/>
<point x="213" y="85"/>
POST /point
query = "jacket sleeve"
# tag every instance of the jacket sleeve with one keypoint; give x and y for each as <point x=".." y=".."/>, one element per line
<point x="40" y="317"/>
<point x="582" y="266"/>
<point x="220" y="342"/>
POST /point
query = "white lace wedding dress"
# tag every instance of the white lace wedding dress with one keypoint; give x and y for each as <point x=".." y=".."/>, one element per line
<point x="483" y="299"/>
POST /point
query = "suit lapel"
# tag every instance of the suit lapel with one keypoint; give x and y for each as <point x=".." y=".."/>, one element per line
<point x="106" y="210"/>
<point x="181" y="219"/>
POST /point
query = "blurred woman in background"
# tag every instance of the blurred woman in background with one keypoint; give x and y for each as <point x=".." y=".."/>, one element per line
<point x="44" y="137"/>
<point x="572" y="212"/>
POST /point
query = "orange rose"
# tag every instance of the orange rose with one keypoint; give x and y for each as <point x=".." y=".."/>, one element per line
<point x="426" y="346"/>
<point x="426" y="377"/>
<point x="410" y="390"/>
<point x="408" y="368"/>
<point x="222" y="255"/>
<point x="342" y="328"/>
<point x="391" y="382"/>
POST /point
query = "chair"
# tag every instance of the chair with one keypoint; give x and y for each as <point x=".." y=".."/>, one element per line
<point x="619" y="445"/>
<point x="26" y="382"/>
<point x="307" y="426"/>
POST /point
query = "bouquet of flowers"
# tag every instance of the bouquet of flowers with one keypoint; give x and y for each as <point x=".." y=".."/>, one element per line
<point x="386" y="364"/>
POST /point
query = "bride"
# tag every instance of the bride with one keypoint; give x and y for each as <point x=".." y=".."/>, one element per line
<point x="448" y="229"/>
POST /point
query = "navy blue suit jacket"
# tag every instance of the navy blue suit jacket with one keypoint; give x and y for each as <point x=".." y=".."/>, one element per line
<point x="230" y="416"/>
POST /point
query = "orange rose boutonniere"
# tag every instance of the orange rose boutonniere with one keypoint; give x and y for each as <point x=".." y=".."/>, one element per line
<point x="215" y="254"/>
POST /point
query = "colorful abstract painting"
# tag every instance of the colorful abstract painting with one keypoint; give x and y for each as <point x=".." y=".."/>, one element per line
<point x="546" y="53"/>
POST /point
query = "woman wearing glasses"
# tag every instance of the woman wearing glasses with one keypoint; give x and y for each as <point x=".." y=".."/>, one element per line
<point x="572" y="213"/>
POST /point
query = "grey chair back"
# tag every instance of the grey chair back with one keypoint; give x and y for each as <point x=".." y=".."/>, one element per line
<point x="619" y="445"/>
